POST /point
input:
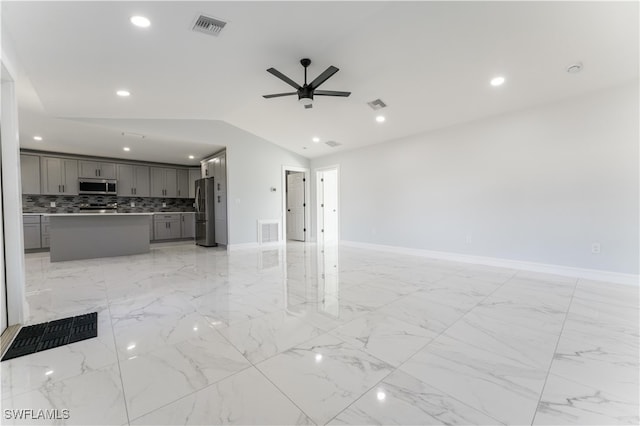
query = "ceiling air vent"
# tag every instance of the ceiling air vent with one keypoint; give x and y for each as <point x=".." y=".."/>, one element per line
<point x="207" y="25"/>
<point x="377" y="104"/>
<point x="333" y="144"/>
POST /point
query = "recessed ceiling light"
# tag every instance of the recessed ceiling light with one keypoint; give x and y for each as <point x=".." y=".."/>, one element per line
<point x="37" y="138"/>
<point x="140" y="21"/>
<point x="191" y="157"/>
<point x="497" y="81"/>
<point x="126" y="148"/>
<point x="316" y="139"/>
<point x="123" y="93"/>
<point x="380" y="119"/>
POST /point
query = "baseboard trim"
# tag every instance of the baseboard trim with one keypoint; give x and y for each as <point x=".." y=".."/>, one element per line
<point x="246" y="246"/>
<point x="567" y="271"/>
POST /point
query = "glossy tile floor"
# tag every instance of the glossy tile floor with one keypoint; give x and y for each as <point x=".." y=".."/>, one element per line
<point x="190" y="335"/>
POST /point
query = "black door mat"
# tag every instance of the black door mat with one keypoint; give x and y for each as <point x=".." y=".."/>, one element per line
<point x="49" y="335"/>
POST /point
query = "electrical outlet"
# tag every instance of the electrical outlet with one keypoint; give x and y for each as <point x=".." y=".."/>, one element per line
<point x="595" y="248"/>
<point x="164" y="204"/>
<point x="52" y="204"/>
<point x="133" y="204"/>
<point x="467" y="240"/>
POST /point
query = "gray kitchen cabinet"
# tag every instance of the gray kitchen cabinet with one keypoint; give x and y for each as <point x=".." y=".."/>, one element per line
<point x="164" y="182"/>
<point x="220" y="221"/>
<point x="133" y="181"/>
<point x="194" y="175"/>
<point x="96" y="169"/>
<point x="31" y="231"/>
<point x="220" y="198"/>
<point x="216" y="167"/>
<point x="188" y="225"/>
<point x="167" y="226"/>
<point x="182" y="182"/>
<point x="30" y="174"/>
<point x="59" y="176"/>
<point x="44" y="231"/>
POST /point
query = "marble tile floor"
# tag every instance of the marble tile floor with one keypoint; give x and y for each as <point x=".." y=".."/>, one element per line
<point x="298" y="335"/>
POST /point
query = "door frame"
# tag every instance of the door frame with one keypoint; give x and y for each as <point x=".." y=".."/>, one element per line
<point x="307" y="219"/>
<point x="317" y="171"/>
<point x="14" y="259"/>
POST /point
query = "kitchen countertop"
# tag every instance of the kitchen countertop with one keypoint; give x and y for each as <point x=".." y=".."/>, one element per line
<point x="97" y="214"/>
<point x="94" y="214"/>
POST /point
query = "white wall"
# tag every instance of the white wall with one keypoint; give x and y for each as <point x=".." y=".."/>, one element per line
<point x="253" y="167"/>
<point x="538" y="185"/>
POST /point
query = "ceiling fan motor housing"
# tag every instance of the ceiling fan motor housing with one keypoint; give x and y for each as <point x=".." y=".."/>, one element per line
<point x="305" y="94"/>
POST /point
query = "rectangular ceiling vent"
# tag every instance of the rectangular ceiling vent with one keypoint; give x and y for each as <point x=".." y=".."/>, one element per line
<point x="333" y="144"/>
<point x="208" y="25"/>
<point x="377" y="104"/>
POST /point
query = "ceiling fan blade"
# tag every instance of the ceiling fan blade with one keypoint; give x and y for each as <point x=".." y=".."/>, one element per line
<point x="308" y="106"/>
<point x="284" y="78"/>
<point x="277" y="95"/>
<point x="330" y="93"/>
<point x="323" y="77"/>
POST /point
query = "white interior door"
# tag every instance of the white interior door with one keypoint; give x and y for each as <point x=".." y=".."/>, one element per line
<point x="295" y="206"/>
<point x="328" y="214"/>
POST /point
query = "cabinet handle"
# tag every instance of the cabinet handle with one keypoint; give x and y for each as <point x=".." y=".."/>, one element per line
<point x="218" y="198"/>
<point x="62" y="188"/>
<point x="59" y="188"/>
<point x="218" y="187"/>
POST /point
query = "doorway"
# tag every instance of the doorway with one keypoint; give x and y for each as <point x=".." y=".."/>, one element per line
<point x="295" y="217"/>
<point x="328" y="226"/>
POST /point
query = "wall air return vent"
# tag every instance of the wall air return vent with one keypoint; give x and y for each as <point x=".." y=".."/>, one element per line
<point x="333" y="144"/>
<point x="377" y="104"/>
<point x="268" y="231"/>
<point x="207" y="25"/>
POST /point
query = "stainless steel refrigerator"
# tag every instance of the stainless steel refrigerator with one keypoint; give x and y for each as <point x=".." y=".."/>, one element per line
<point x="205" y="220"/>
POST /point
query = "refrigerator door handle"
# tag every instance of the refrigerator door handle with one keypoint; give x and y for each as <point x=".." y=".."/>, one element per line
<point x="198" y="198"/>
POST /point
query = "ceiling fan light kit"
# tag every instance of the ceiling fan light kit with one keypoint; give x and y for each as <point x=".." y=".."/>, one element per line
<point x="307" y="91"/>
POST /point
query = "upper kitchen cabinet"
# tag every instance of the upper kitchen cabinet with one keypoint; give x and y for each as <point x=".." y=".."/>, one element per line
<point x="96" y="169"/>
<point x="59" y="176"/>
<point x="183" y="183"/>
<point x="133" y="181"/>
<point x="164" y="182"/>
<point x="30" y="173"/>
<point x="194" y="175"/>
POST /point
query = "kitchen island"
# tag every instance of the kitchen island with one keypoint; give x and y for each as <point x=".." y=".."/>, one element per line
<point x="76" y="236"/>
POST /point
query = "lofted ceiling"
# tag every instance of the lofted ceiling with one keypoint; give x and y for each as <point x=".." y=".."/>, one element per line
<point x="430" y="62"/>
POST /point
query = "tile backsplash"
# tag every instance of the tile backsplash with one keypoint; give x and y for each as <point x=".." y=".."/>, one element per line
<point x="70" y="204"/>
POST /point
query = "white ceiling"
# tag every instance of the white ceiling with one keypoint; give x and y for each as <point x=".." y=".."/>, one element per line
<point x="431" y="62"/>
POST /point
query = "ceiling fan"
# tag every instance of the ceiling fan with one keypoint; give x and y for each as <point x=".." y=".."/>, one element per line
<point x="307" y="91"/>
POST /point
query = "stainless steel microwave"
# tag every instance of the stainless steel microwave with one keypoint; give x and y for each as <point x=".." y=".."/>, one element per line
<point x="87" y="186"/>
